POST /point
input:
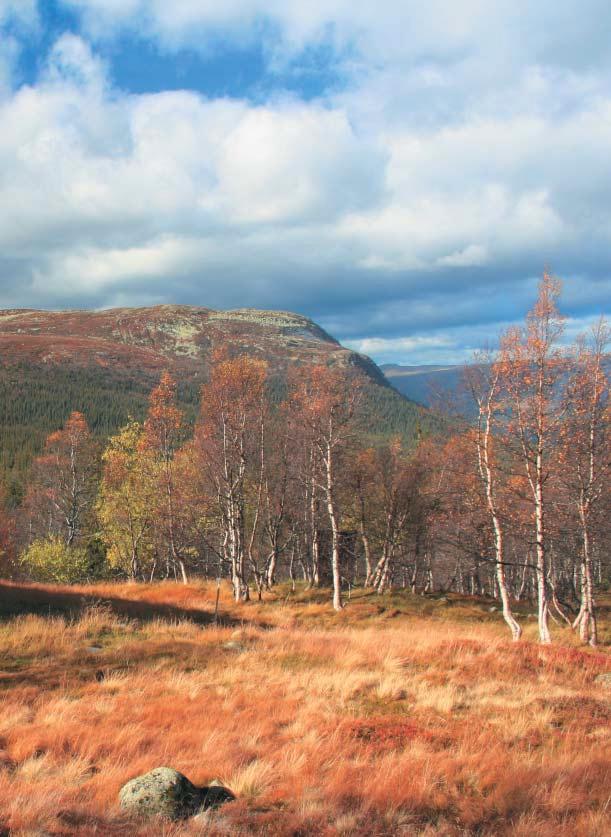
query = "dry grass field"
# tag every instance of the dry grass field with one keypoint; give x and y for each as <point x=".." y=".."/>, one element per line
<point x="398" y="716"/>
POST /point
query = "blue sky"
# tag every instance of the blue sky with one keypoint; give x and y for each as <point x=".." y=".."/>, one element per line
<point x="399" y="171"/>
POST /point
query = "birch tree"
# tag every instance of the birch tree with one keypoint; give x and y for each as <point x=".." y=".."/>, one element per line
<point x="162" y="434"/>
<point x="325" y="400"/>
<point x="531" y="367"/>
<point x="484" y="383"/>
<point x="63" y="487"/>
<point x="229" y="445"/>
<point x="396" y="486"/>
<point x="585" y="454"/>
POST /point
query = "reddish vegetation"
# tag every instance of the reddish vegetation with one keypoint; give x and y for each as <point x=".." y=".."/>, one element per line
<point x="151" y="339"/>
<point x="322" y="723"/>
<point x="80" y="351"/>
<point x="387" y="734"/>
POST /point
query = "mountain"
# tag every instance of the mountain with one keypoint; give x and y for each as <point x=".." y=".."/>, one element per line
<point x="105" y="363"/>
<point x="424" y="384"/>
<point x="179" y="336"/>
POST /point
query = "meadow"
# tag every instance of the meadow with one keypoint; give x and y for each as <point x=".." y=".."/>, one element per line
<point x="399" y="715"/>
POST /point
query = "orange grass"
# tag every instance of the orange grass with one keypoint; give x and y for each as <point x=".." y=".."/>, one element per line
<point x="349" y="724"/>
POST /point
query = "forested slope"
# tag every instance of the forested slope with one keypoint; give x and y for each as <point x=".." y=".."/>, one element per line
<point x="105" y="364"/>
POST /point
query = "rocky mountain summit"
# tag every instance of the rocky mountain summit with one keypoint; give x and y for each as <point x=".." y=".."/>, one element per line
<point x="180" y="337"/>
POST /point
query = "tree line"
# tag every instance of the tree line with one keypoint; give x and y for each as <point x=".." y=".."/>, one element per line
<point x="265" y="489"/>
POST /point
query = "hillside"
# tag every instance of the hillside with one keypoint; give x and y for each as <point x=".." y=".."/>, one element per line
<point x="105" y="363"/>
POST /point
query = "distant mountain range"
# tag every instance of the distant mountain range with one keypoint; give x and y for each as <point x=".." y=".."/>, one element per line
<point x="424" y="384"/>
<point x="440" y="386"/>
<point x="105" y="363"/>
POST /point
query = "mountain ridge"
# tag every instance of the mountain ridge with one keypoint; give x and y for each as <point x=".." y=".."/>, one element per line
<point x="424" y="383"/>
<point x="183" y="334"/>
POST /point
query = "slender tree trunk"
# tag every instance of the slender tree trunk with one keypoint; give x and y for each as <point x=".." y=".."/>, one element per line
<point x="487" y="475"/>
<point x="429" y="587"/>
<point x="386" y="573"/>
<point x="543" y="604"/>
<point x="414" y="577"/>
<point x="270" y="575"/>
<point x="514" y="627"/>
<point x="134" y="568"/>
<point x="291" y="568"/>
<point x="315" y="537"/>
<point x="364" y="538"/>
<point x="241" y="592"/>
<point x="335" y="556"/>
<point x="367" y="555"/>
<point x="523" y="583"/>
<point x="586" y="618"/>
<point x="381" y="572"/>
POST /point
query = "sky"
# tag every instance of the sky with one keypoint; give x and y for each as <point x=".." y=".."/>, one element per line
<point x="399" y="171"/>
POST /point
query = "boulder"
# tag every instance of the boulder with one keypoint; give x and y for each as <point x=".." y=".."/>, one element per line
<point x="166" y="792"/>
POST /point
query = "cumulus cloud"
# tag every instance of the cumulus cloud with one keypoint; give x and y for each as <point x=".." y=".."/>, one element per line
<point x="399" y="29"/>
<point x="414" y="203"/>
<point x="278" y="163"/>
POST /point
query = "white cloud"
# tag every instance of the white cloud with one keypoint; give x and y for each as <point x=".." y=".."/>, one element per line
<point x="292" y="163"/>
<point x="468" y="147"/>
<point x="472" y="255"/>
<point x="503" y="34"/>
<point x="72" y="60"/>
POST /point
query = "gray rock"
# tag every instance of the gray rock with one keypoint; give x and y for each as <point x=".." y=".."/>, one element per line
<point x="604" y="680"/>
<point x="166" y="792"/>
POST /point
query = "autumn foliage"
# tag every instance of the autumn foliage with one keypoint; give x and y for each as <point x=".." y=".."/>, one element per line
<point x="317" y="615"/>
<point x="282" y="480"/>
